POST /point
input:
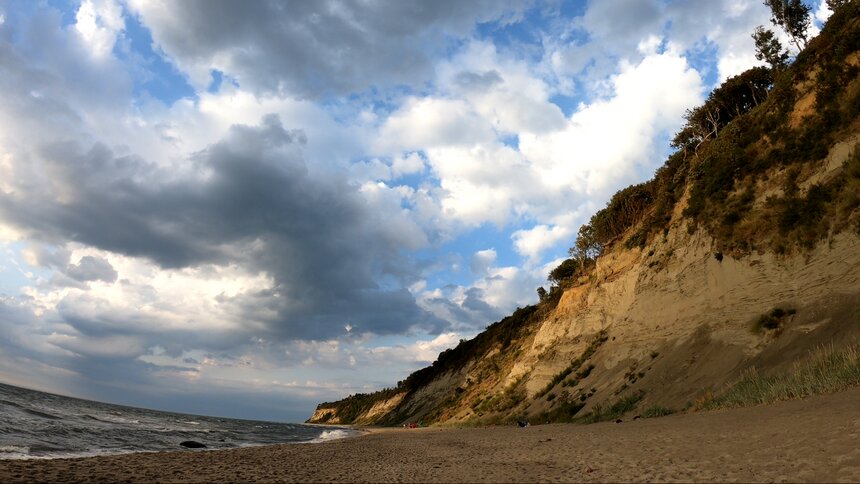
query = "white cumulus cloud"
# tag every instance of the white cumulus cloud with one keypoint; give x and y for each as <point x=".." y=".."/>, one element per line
<point x="533" y="242"/>
<point x="98" y="22"/>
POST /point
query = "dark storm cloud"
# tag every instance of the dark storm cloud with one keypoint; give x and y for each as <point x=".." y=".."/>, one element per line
<point x="472" y="311"/>
<point x="475" y="301"/>
<point x="91" y="269"/>
<point x="249" y="201"/>
<point x="309" y="48"/>
<point x="92" y="322"/>
<point x="88" y="269"/>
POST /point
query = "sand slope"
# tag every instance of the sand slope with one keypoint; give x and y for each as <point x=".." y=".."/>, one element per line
<point x="817" y="439"/>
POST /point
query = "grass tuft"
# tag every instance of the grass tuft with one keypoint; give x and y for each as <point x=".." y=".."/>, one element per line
<point x="616" y="410"/>
<point x="826" y="371"/>
<point x="657" y="411"/>
<point x="575" y="365"/>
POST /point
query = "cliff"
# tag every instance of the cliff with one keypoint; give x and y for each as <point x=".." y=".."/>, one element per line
<point x="743" y="252"/>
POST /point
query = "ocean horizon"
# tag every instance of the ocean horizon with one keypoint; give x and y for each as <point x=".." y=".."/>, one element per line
<point x="39" y="425"/>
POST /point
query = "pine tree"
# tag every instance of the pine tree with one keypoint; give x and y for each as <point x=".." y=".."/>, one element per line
<point x="835" y="4"/>
<point x="769" y="49"/>
<point x="793" y="17"/>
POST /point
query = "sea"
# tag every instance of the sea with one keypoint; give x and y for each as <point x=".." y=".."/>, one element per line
<point x="37" y="425"/>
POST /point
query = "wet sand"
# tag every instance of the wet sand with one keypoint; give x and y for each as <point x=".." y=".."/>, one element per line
<point x="817" y="439"/>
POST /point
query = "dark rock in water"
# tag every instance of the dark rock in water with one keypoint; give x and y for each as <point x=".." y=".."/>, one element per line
<point x="192" y="444"/>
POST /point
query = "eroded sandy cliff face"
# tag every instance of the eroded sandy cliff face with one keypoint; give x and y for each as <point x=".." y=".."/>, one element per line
<point x="381" y="407"/>
<point x="679" y="323"/>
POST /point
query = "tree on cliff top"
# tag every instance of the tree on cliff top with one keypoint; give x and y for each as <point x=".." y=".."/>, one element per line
<point x="793" y="17"/>
<point x="769" y="49"/>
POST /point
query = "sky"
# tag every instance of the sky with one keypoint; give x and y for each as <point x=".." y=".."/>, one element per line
<point x="247" y="208"/>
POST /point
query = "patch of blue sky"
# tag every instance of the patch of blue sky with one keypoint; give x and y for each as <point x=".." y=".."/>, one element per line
<point x="567" y="104"/>
<point x="524" y="36"/>
<point x="564" y="24"/>
<point x="217" y="79"/>
<point x="16" y="274"/>
<point x="442" y="269"/>
<point x="571" y="9"/>
<point x="415" y="181"/>
<point x="27" y="18"/>
<point x="460" y="252"/>
<point x="644" y="168"/>
<point x="68" y="10"/>
<point x="664" y="39"/>
<point x="662" y="144"/>
<point x="163" y="80"/>
<point x="703" y="57"/>
<point x="453" y="45"/>
<point x="560" y="248"/>
<point x="383" y="102"/>
<point x="512" y="141"/>
<point x="380" y="100"/>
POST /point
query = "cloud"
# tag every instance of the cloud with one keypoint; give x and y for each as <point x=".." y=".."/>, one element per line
<point x="38" y="255"/>
<point x="91" y="269"/>
<point x="102" y="348"/>
<point x="41" y="353"/>
<point x="312" y="48"/>
<point x="508" y="287"/>
<point x="422" y="123"/>
<point x="503" y="89"/>
<point x="495" y="293"/>
<point x="482" y="260"/>
<point x="606" y="141"/>
<point x="822" y="11"/>
<point x="250" y="201"/>
<point x="589" y="46"/>
<point x="533" y="242"/>
<point x="552" y="175"/>
<point x="726" y="24"/>
<point x="473" y="81"/>
<point x="620" y="23"/>
<point x="407" y="164"/>
<point x="420" y="352"/>
<point x="98" y="23"/>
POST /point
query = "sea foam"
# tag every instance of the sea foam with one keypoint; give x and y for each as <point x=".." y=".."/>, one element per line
<point x="328" y="435"/>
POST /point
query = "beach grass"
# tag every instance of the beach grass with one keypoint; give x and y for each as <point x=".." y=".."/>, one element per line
<point x="826" y="371"/>
<point x="657" y="411"/>
<point x="599" y="413"/>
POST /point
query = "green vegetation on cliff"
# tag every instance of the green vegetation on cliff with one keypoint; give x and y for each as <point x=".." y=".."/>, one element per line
<point x="749" y="129"/>
<point x="498" y="336"/>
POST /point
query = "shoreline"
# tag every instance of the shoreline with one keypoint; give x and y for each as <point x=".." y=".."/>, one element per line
<point x="815" y="439"/>
<point x="352" y="432"/>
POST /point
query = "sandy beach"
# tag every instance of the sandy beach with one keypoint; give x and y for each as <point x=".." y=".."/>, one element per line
<point x="817" y="439"/>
